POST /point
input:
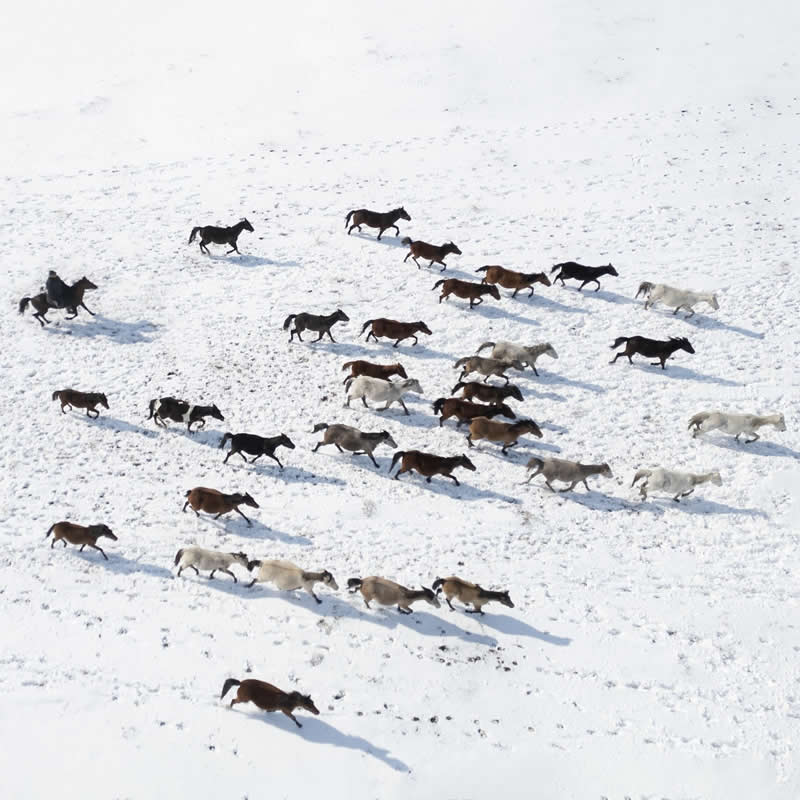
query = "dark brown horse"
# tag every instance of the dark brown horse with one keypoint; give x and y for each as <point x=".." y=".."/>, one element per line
<point x="268" y="697"/>
<point x="382" y="371"/>
<point x="80" y="534"/>
<point x="465" y="411"/>
<point x="87" y="400"/>
<point x="430" y="252"/>
<point x="376" y="219"/>
<point x="210" y="234"/>
<point x="74" y="298"/>
<point x="215" y="502"/>
<point x="651" y="348"/>
<point x="486" y="392"/>
<point x="468" y="291"/>
<point x="509" y="279"/>
<point x="429" y="464"/>
<point x="392" y="329"/>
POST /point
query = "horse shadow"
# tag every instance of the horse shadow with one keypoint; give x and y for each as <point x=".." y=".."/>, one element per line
<point x="513" y="626"/>
<point x="121" y="564"/>
<point x="495" y="312"/>
<point x="707" y="322"/>
<point x="114" y="424"/>
<point x="442" y="485"/>
<point x="244" y="260"/>
<point x="289" y="473"/>
<point x="683" y="373"/>
<point x="604" y="294"/>
<point x="123" y="332"/>
<point x="388" y="241"/>
<point x="555" y="378"/>
<point x="544" y="302"/>
<point x="319" y="732"/>
<point x="257" y="530"/>
<point x="700" y="505"/>
<point x="339" y="348"/>
<point x="758" y="448"/>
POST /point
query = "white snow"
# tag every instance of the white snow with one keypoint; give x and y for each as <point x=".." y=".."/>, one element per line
<point x="653" y="648"/>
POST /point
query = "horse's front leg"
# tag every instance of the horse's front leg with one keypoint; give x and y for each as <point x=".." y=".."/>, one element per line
<point x="396" y="229"/>
<point x="74" y="312"/>
<point x="234" y="248"/>
<point x="330" y="336"/>
<point x="84" y="306"/>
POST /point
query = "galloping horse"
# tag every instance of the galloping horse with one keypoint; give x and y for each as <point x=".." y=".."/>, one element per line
<point x="74" y="298"/>
<point x="211" y="233"/>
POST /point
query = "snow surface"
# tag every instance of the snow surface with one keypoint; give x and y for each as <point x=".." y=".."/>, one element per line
<point x="653" y="649"/>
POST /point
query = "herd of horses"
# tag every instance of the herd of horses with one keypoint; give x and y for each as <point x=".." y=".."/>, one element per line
<point x="477" y="407"/>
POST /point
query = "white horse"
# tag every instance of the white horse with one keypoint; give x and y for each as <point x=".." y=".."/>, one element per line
<point x="675" y="298"/>
<point x="380" y="391"/>
<point x="679" y="484"/>
<point x="734" y="424"/>
<point x="508" y="351"/>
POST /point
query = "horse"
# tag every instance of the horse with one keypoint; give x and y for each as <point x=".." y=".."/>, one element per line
<point x="509" y="279"/>
<point x="675" y="298"/>
<point x="376" y="219"/>
<point x="393" y="329"/>
<point x="215" y="235"/>
<point x="181" y="411"/>
<point x="466" y="290"/>
<point x="651" y="348"/>
<point x="382" y="371"/>
<point x="430" y="252"/>
<point x="429" y="464"/>
<point x="314" y="322"/>
<point x="735" y="424"/>
<point x="571" y="270"/>
<point x="74" y="297"/>
<point x="87" y="400"/>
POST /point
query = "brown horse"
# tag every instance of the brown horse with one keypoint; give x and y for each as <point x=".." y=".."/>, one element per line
<point x="468" y="291"/>
<point x="464" y="411"/>
<point x="429" y="464"/>
<point x="74" y="300"/>
<point x="215" y="502"/>
<point x="504" y="432"/>
<point x="392" y="329"/>
<point x="80" y="534"/>
<point x="376" y="219"/>
<point x="87" y="400"/>
<point x="430" y="252"/>
<point x="382" y="371"/>
<point x="268" y="697"/>
<point x="486" y="392"/>
<point x="509" y="279"/>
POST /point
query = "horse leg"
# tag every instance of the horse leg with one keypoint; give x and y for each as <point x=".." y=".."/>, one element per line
<point x="755" y="438"/>
<point x="594" y="280"/>
<point x="203" y="247"/>
<point x="228" y="572"/>
<point x="234" y="248"/>
<point x="244" y="457"/>
<point x="533" y="367"/>
<point x="102" y="552"/>
<point x="419" y="266"/>
<point x="372" y="458"/>
<point x="530" y="294"/>
<point x="400" y="400"/>
<point x="397" y="342"/>
<point x="274" y="458"/>
<point x="454" y="479"/>
<point x="96" y="413"/>
<point x="254" y="459"/>
<point x="84" y="306"/>
<point x="569" y="488"/>
<point x="469" y="440"/>
<point x="380" y="233"/>
<point x="444" y="266"/>
<point x="396" y="477"/>
<point x="406" y="258"/>
<point x="74" y="312"/>
<point x="236" y="509"/>
<point x="396" y="228"/>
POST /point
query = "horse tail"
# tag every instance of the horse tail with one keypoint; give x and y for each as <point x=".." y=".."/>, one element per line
<point x="437" y="585"/>
<point x="320" y="426"/>
<point x="395" y="458"/>
<point x="366" y="325"/>
<point x="178" y="556"/>
<point x="461" y="362"/>
<point x="484" y="346"/>
<point x="287" y="321"/>
<point x="557" y="266"/>
<point x="56" y="394"/>
<point x="152" y="407"/>
<point x="438" y="283"/>
<point x="50" y="530"/>
<point x="406" y="240"/>
<point x="354" y="583"/>
<point x="23" y="304"/>
<point x="193" y="234"/>
<point x="225" y="439"/>
<point x="641" y="473"/>
<point x="188" y="492"/>
<point x="698" y="418"/>
<point x="347" y="218"/>
<point x="439" y="404"/>
<point x="227" y="685"/>
<point x="251" y="565"/>
<point x="535" y="462"/>
<point x="459" y="385"/>
<point x="480" y="269"/>
<point x="619" y="340"/>
<point x="347" y="365"/>
<point x="347" y="382"/>
<point x="645" y="287"/>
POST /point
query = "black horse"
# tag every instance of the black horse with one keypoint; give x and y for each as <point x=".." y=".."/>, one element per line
<point x="181" y="411"/>
<point x="72" y="296"/>
<point x="215" y="235"/>
<point x="313" y="322"/>
<point x="255" y="445"/>
<point x="376" y="219"/>
<point x="651" y="348"/>
<point x="571" y="270"/>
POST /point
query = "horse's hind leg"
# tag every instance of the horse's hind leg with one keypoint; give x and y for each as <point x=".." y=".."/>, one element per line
<point x="380" y="233"/>
<point x="203" y="247"/>
<point x="755" y="438"/>
<point x="234" y="248"/>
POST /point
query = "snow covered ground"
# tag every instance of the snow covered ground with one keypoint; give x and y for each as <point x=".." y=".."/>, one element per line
<point x="653" y="648"/>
